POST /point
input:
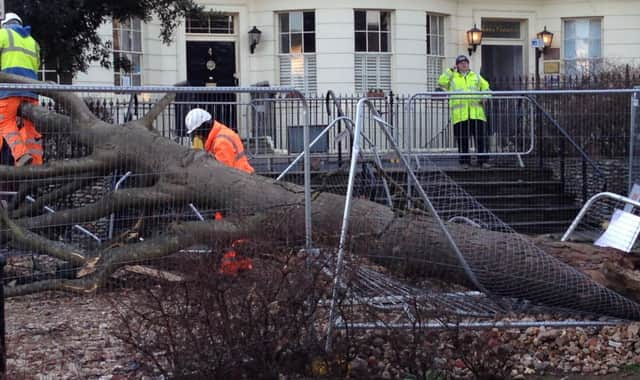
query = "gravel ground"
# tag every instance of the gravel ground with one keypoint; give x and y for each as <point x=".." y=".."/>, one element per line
<point x="57" y="336"/>
<point x="65" y="337"/>
<point x="69" y="337"/>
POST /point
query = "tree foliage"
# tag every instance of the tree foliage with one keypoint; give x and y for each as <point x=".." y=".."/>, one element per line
<point x="67" y="30"/>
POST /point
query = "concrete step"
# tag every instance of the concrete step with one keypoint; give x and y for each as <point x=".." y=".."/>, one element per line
<point x="536" y="214"/>
<point x="517" y="200"/>
<point x="500" y="187"/>
<point x="541" y="227"/>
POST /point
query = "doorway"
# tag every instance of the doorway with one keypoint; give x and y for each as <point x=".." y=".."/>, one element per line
<point x="502" y="65"/>
<point x="210" y="63"/>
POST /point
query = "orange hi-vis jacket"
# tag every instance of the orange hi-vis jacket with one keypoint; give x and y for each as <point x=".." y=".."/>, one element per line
<point x="227" y="148"/>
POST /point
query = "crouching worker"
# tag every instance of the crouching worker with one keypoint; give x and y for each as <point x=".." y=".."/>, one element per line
<point x="222" y="141"/>
<point x="227" y="148"/>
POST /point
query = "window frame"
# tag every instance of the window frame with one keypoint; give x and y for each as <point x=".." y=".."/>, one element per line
<point x="132" y="54"/>
<point x="441" y="37"/>
<point x="303" y="32"/>
<point x="368" y="33"/>
<point x="576" y="64"/>
<point x="302" y="63"/>
<point x="434" y="59"/>
<point x="231" y="30"/>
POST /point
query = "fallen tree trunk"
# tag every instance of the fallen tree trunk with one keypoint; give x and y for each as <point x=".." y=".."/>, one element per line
<point x="262" y="209"/>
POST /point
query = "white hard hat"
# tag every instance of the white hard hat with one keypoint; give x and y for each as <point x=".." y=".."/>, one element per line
<point x="10" y="16"/>
<point x="195" y="118"/>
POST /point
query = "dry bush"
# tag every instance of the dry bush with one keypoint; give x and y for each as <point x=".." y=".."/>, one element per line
<point x="258" y="325"/>
<point x="266" y="323"/>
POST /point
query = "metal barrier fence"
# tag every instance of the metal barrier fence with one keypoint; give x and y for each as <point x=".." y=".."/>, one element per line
<point x="598" y="121"/>
<point x="483" y="250"/>
<point x="165" y="190"/>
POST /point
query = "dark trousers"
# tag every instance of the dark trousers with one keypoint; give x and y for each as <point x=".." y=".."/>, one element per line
<point x="464" y="131"/>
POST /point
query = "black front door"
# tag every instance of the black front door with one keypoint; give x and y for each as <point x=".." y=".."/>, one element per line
<point x="502" y="65"/>
<point x="210" y="63"/>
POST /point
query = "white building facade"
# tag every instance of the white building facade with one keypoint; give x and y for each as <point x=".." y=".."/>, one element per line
<point x="353" y="46"/>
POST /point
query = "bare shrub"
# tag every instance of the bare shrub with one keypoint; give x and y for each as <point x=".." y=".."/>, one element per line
<point x="257" y="325"/>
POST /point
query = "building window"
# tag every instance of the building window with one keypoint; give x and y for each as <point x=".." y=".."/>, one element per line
<point x="297" y="48"/>
<point x="435" y="49"/>
<point x="210" y="23"/>
<point x="582" y="45"/>
<point x="127" y="52"/>
<point x="51" y="74"/>
<point x="372" y="50"/>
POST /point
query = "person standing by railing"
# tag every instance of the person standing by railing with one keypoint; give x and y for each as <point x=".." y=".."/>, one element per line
<point x="467" y="113"/>
<point x="19" y="55"/>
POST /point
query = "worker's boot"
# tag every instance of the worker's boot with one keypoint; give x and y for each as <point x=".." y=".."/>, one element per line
<point x="24" y="160"/>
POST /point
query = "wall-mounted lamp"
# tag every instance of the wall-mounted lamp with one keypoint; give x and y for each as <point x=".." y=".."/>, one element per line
<point x="545" y="38"/>
<point x="254" y="38"/>
<point x="474" y="38"/>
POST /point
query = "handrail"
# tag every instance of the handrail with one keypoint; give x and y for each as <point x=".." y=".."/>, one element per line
<point x="331" y="96"/>
<point x="132" y="100"/>
<point x="572" y="141"/>
<point x="312" y="143"/>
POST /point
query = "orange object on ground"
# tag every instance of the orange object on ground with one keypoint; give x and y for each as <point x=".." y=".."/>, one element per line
<point x="231" y="264"/>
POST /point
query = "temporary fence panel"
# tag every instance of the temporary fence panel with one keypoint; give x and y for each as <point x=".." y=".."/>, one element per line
<point x="608" y="220"/>
<point x="446" y="233"/>
<point x="508" y="130"/>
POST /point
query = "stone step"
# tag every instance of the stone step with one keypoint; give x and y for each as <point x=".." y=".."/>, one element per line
<point x="470" y="175"/>
<point x="543" y="227"/>
<point x="499" y="187"/>
<point x="533" y="214"/>
<point x="517" y="200"/>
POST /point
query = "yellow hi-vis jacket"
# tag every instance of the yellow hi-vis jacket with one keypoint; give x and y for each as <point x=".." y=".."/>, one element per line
<point x="19" y="55"/>
<point x="469" y="106"/>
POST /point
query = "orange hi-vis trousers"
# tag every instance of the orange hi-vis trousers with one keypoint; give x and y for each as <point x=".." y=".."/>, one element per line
<point x="21" y="141"/>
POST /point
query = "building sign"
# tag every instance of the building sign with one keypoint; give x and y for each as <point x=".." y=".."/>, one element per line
<point x="500" y="29"/>
<point x="537" y="43"/>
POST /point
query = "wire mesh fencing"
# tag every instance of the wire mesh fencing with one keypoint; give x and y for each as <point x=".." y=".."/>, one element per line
<point x="437" y="230"/>
<point x="130" y="206"/>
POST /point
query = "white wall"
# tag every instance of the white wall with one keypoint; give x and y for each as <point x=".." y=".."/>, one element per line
<point x="165" y="65"/>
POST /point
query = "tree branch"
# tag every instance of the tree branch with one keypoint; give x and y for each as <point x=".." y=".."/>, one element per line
<point x="157" y="109"/>
<point x="48" y="122"/>
<point x="35" y="207"/>
<point x="79" y="111"/>
<point x="27" y="239"/>
<point x="99" y="164"/>
<point x="180" y="237"/>
<point x="112" y="202"/>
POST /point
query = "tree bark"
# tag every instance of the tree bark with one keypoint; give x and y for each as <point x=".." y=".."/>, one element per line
<point x="259" y="208"/>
